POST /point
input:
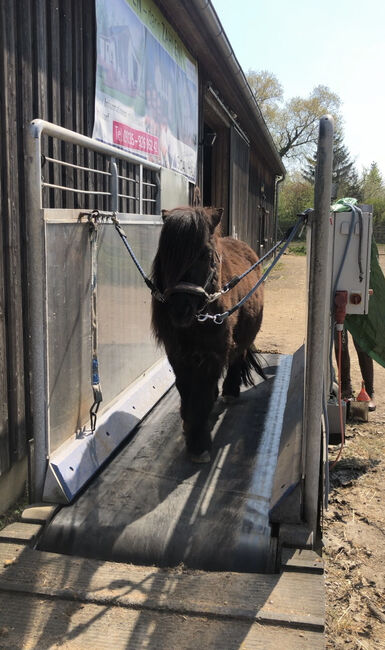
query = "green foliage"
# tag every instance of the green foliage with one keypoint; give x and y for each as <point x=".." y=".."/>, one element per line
<point x="294" y="128"/>
<point x="345" y="177"/>
<point x="372" y="184"/>
<point x="294" y="123"/>
<point x="373" y="192"/>
<point x="267" y="91"/>
<point x="378" y="210"/>
<point x="296" y="195"/>
<point x="13" y="513"/>
<point x="297" y="248"/>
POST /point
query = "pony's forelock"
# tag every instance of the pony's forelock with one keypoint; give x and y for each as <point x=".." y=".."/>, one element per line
<point x="184" y="234"/>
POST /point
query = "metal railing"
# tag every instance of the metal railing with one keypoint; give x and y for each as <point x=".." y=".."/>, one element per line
<point x="126" y="182"/>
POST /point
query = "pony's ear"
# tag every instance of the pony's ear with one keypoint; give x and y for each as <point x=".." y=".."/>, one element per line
<point x="215" y="216"/>
<point x="165" y="214"/>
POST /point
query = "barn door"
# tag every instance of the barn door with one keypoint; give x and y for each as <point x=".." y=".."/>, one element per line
<point x="239" y="183"/>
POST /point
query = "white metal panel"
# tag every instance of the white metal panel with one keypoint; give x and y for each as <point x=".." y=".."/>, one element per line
<point x="347" y="271"/>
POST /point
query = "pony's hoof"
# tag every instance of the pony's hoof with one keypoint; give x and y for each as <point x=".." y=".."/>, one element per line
<point x="204" y="457"/>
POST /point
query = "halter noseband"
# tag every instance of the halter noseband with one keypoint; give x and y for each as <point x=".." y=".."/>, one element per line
<point x="195" y="289"/>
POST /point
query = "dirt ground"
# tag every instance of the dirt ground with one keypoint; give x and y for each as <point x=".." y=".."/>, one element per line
<point x="354" y="524"/>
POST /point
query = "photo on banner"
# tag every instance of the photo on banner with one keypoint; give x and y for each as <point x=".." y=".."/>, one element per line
<point x="146" y="98"/>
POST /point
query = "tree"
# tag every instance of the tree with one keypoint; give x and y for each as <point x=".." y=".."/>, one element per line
<point x="373" y="192"/>
<point x="345" y="177"/>
<point x="372" y="184"/>
<point x="296" y="195"/>
<point x="267" y="91"/>
<point x="293" y="124"/>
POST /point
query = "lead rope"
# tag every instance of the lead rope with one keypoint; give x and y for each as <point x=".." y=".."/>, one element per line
<point x="155" y="292"/>
<point x="95" y="380"/>
<point x="219" y="318"/>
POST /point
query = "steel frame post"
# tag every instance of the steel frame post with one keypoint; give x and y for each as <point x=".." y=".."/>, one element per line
<point x="37" y="311"/>
<point x="317" y="324"/>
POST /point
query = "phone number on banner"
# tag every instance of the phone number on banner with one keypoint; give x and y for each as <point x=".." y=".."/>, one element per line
<point x="125" y="136"/>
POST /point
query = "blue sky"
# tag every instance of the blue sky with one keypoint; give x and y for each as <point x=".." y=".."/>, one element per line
<point x="337" y="43"/>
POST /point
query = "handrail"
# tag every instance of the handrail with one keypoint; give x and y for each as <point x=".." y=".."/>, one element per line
<point x="41" y="126"/>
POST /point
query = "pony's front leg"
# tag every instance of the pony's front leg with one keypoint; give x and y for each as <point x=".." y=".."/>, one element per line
<point x="183" y="384"/>
<point x="195" y="412"/>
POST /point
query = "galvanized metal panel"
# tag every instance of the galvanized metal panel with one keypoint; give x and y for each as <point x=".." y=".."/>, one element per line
<point x="175" y="190"/>
<point x="126" y="346"/>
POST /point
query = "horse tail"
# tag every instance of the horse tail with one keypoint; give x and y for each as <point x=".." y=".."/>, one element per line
<point x="251" y="362"/>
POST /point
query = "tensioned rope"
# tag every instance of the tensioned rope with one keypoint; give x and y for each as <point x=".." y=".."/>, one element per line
<point x="219" y="318"/>
<point x="94" y="218"/>
<point x="95" y="379"/>
<point x="216" y="318"/>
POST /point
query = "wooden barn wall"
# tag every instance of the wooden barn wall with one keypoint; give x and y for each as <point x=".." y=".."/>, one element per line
<point x="220" y="175"/>
<point x="260" y="223"/>
<point x="47" y="70"/>
<point x="239" y="184"/>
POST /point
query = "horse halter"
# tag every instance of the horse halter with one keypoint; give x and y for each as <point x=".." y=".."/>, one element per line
<point x="196" y="289"/>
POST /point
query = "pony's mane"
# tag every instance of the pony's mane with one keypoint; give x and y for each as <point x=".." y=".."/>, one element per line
<point x="184" y="234"/>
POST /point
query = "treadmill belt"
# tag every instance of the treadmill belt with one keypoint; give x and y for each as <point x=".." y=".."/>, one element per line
<point x="152" y="506"/>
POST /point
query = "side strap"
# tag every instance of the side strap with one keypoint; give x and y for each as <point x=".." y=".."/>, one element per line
<point x="95" y="380"/>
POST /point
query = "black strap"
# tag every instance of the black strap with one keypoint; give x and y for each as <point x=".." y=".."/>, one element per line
<point x="95" y="379"/>
<point x="155" y="292"/>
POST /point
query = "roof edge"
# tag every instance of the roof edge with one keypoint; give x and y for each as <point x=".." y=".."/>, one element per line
<point x="211" y="20"/>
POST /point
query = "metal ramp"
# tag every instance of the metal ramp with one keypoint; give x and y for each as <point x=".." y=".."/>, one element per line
<point x="151" y="505"/>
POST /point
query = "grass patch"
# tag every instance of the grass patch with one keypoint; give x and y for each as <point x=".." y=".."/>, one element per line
<point x="297" y="248"/>
<point x="13" y="514"/>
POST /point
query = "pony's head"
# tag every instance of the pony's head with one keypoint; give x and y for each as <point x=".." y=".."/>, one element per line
<point x="185" y="266"/>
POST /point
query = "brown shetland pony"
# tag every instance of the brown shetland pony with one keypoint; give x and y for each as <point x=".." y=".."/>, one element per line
<point x="193" y="256"/>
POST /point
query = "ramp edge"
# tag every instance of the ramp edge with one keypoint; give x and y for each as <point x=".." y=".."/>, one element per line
<point x="74" y="463"/>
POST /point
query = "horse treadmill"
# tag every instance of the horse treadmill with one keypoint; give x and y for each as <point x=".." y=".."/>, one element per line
<point x="152" y="506"/>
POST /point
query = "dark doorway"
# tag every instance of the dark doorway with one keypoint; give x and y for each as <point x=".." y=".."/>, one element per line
<point x="216" y="158"/>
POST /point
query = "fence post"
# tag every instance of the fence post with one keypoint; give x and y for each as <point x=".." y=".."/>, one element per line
<point x="114" y="186"/>
<point x="37" y="316"/>
<point x="318" y="331"/>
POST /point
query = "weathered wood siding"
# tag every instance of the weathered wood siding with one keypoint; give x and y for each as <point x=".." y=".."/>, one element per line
<point x="260" y="222"/>
<point x="47" y="71"/>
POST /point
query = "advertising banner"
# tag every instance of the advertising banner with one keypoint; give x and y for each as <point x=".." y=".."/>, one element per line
<point x="146" y="98"/>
